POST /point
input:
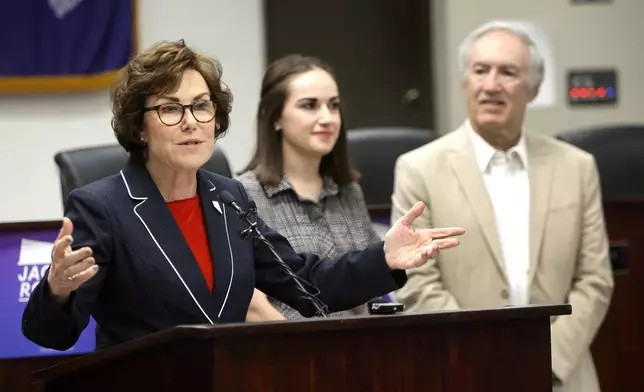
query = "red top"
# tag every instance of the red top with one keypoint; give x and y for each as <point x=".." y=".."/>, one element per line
<point x="187" y="213"/>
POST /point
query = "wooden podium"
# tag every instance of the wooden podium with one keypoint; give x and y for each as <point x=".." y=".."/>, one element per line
<point x="496" y="350"/>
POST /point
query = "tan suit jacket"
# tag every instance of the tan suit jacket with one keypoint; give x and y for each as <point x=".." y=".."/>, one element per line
<point x="569" y="260"/>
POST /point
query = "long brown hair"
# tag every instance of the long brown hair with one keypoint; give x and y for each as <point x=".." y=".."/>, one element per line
<point x="267" y="161"/>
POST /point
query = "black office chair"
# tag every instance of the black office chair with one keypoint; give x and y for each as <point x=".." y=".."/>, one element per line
<point x="619" y="153"/>
<point x="373" y="152"/>
<point x="82" y="166"/>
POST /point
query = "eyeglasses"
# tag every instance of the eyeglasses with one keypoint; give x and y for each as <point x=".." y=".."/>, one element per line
<point x="172" y="113"/>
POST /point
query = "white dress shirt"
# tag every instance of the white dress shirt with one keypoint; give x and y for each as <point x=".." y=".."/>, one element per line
<point x="506" y="179"/>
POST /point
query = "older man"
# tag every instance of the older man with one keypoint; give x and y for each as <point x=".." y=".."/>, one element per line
<point x="531" y="206"/>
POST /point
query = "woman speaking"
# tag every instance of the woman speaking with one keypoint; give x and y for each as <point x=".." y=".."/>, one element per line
<point x="157" y="245"/>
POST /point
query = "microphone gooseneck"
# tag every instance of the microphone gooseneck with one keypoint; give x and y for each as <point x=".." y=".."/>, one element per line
<point x="252" y="231"/>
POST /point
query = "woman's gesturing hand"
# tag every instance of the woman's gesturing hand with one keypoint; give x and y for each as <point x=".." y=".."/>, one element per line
<point x="69" y="269"/>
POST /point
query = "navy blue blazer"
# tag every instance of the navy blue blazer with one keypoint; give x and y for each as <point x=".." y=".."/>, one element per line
<point x="148" y="279"/>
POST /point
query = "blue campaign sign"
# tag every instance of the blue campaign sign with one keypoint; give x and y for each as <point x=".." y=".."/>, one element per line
<point x="24" y="258"/>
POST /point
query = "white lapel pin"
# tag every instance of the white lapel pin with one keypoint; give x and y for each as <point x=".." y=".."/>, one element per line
<point x="216" y="205"/>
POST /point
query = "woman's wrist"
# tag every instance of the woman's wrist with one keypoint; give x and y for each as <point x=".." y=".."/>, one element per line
<point x="261" y="309"/>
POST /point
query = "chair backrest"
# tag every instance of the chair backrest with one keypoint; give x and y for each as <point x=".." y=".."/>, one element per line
<point x="82" y="166"/>
<point x="619" y="153"/>
<point x="373" y="152"/>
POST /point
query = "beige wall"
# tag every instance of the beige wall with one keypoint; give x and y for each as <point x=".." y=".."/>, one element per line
<point x="582" y="36"/>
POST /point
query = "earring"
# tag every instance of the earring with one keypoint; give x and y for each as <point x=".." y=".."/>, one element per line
<point x="145" y="149"/>
<point x="217" y="126"/>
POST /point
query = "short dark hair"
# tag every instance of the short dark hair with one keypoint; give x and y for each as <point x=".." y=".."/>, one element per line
<point x="158" y="71"/>
<point x="267" y="161"/>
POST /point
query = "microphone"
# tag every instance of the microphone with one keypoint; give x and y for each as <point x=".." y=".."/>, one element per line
<point x="228" y="199"/>
<point x="252" y="230"/>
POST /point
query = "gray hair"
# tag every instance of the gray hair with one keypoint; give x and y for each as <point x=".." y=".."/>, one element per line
<point x="536" y="70"/>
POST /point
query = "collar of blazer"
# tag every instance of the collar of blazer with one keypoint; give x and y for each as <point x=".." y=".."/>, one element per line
<point x="167" y="251"/>
<point x="540" y="171"/>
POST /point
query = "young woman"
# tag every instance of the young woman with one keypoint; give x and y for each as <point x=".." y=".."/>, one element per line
<point x="300" y="176"/>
